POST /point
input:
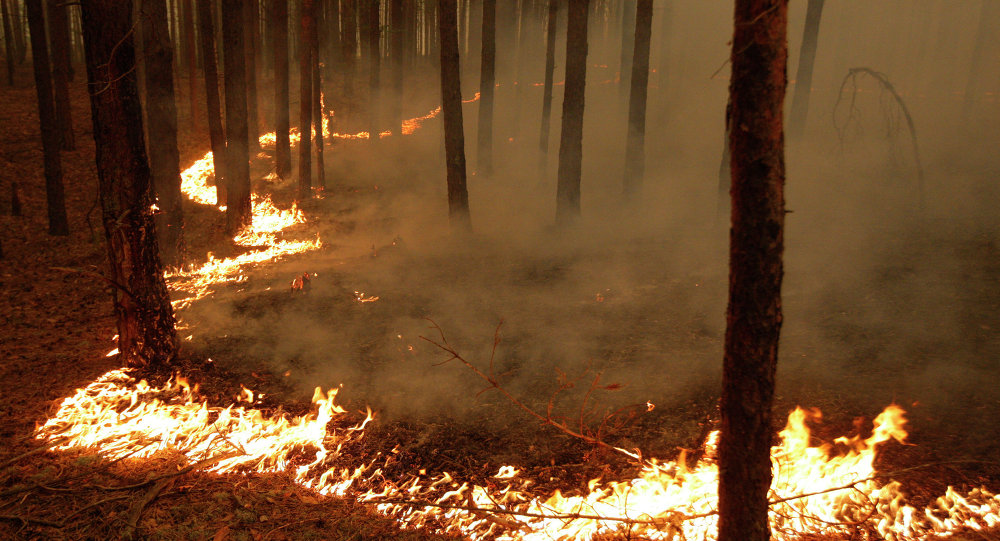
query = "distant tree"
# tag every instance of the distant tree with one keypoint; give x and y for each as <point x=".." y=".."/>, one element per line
<point x="451" y="105"/>
<point x="398" y="34"/>
<point x="8" y="41"/>
<point x="191" y="57"/>
<point x="550" y="65"/>
<point x="58" y="224"/>
<point x="803" y="77"/>
<point x="146" y="335"/>
<point x="635" y="145"/>
<point x="16" y="21"/>
<point x="161" y="117"/>
<point x="317" y="105"/>
<point x="484" y="135"/>
<point x="753" y="317"/>
<point x="283" y="149"/>
<point x="213" y="102"/>
<point x="238" y="208"/>
<point x="349" y="51"/>
<point x="571" y="138"/>
<point x="989" y="16"/>
<point x="251" y="18"/>
<point x="374" y="36"/>
<point x="627" y="48"/>
<point x="307" y="9"/>
<point x="59" y="38"/>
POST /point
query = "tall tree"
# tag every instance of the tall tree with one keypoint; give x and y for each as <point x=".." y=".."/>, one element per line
<point x="279" y="36"/>
<point x="635" y="145"/>
<point x="317" y="105"/>
<point x="803" y="77"/>
<point x="161" y="116"/>
<point x="307" y="9"/>
<point x="451" y="105"/>
<point x="238" y="210"/>
<point x="374" y="33"/>
<point x="146" y="335"/>
<point x="59" y="38"/>
<point x="487" y="70"/>
<point x="213" y="102"/>
<point x="397" y="65"/>
<point x="571" y="138"/>
<point x="627" y="47"/>
<point x="16" y="21"/>
<point x="349" y="50"/>
<point x="191" y="55"/>
<point x="8" y="40"/>
<point x="55" y="197"/>
<point x="251" y="17"/>
<point x="753" y="317"/>
<point x="550" y="66"/>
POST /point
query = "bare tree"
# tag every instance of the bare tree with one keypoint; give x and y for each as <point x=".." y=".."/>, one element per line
<point x="571" y="138"/>
<point x="451" y="105"/>
<point x="307" y="8"/>
<point x="283" y="149"/>
<point x="238" y="209"/>
<point x="484" y="135"/>
<point x="213" y="102"/>
<point x="55" y="197"/>
<point x="635" y="145"/>
<point x="803" y="78"/>
<point x="146" y="335"/>
<point x="753" y="317"/>
<point x="59" y="38"/>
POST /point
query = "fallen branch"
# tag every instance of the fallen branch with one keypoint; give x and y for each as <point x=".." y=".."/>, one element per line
<point x="147" y="498"/>
<point x="34" y="451"/>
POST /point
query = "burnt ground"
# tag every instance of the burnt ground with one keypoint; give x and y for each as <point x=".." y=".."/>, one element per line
<point x="633" y="312"/>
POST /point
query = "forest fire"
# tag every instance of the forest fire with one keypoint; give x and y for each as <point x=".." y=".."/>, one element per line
<point x="831" y="489"/>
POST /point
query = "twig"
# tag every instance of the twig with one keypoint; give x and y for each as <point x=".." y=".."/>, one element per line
<point x="65" y="520"/>
<point x="32" y="519"/>
<point x="34" y="451"/>
<point x="149" y="496"/>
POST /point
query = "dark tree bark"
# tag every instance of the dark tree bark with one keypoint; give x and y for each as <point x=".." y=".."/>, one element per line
<point x="753" y="317"/>
<point x="251" y="19"/>
<point x="146" y="335"/>
<point x="213" y="103"/>
<point x="398" y="34"/>
<point x="305" y="98"/>
<point x="803" y="77"/>
<point x="635" y="145"/>
<point x="571" y="138"/>
<point x="238" y="210"/>
<point x="59" y="38"/>
<point x="283" y="149"/>
<point x="374" y="68"/>
<point x="19" y="45"/>
<point x="487" y="72"/>
<point x="550" y="66"/>
<point x="317" y="109"/>
<point x="192" y="62"/>
<point x="349" y="52"/>
<point x="627" y="48"/>
<point x="451" y="105"/>
<point x="161" y="116"/>
<point x="58" y="225"/>
<point x="8" y="42"/>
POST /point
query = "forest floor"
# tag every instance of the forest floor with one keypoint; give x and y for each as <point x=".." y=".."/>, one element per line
<point x="586" y="309"/>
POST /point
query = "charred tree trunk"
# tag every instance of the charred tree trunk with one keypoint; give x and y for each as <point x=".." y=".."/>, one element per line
<point x="146" y="336"/>
<point x="803" y="77"/>
<point x="213" y="102"/>
<point x="8" y="41"/>
<point x="59" y="38"/>
<point x="283" y="149"/>
<point x="375" y="68"/>
<point x="635" y="145"/>
<point x="192" y="62"/>
<point x="550" y="66"/>
<point x="251" y="18"/>
<point x="349" y="52"/>
<point x="398" y="34"/>
<point x="317" y="109"/>
<point x="571" y="138"/>
<point x="238" y="210"/>
<point x="451" y="105"/>
<point x="753" y="317"/>
<point x="305" y="98"/>
<point x="487" y="72"/>
<point x="58" y="224"/>
<point x="161" y="116"/>
<point x="627" y="48"/>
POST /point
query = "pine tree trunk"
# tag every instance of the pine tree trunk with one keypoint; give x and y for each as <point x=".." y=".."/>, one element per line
<point x="8" y="42"/>
<point x="753" y="317"/>
<point x="550" y="66"/>
<point x="213" y="101"/>
<point x="803" y="77"/>
<point x="192" y="62"/>
<point x="55" y="198"/>
<point x="627" y="48"/>
<point x="251" y="19"/>
<point x="317" y="110"/>
<point x="635" y="145"/>
<point x="161" y="116"/>
<point x="375" y="70"/>
<point x="571" y="138"/>
<point x="283" y="149"/>
<point x="451" y="104"/>
<point x="59" y="37"/>
<point x="487" y="73"/>
<point x="146" y="335"/>
<point x="398" y="34"/>
<point x="238" y="211"/>
<point x="305" y="99"/>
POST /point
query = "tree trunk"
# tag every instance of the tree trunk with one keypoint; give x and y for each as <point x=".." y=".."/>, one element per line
<point x="238" y="210"/>
<point x="635" y="145"/>
<point x="16" y="20"/>
<point x="146" y="335"/>
<point x="803" y="78"/>
<point x="550" y="66"/>
<point x="192" y="62"/>
<point x="627" y="48"/>
<point x="753" y="317"/>
<point x="398" y="34"/>
<point x="317" y="109"/>
<point x="571" y="138"/>
<point x="283" y="149"/>
<point x="305" y="99"/>
<point x="59" y="38"/>
<point x="212" y="100"/>
<point x="8" y="42"/>
<point x="375" y="69"/>
<point x="487" y="71"/>
<point x="251" y="18"/>
<point x="451" y="105"/>
<point x="58" y="225"/>
<point x="349" y="52"/>
<point x="161" y="117"/>
<point x="988" y="17"/>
